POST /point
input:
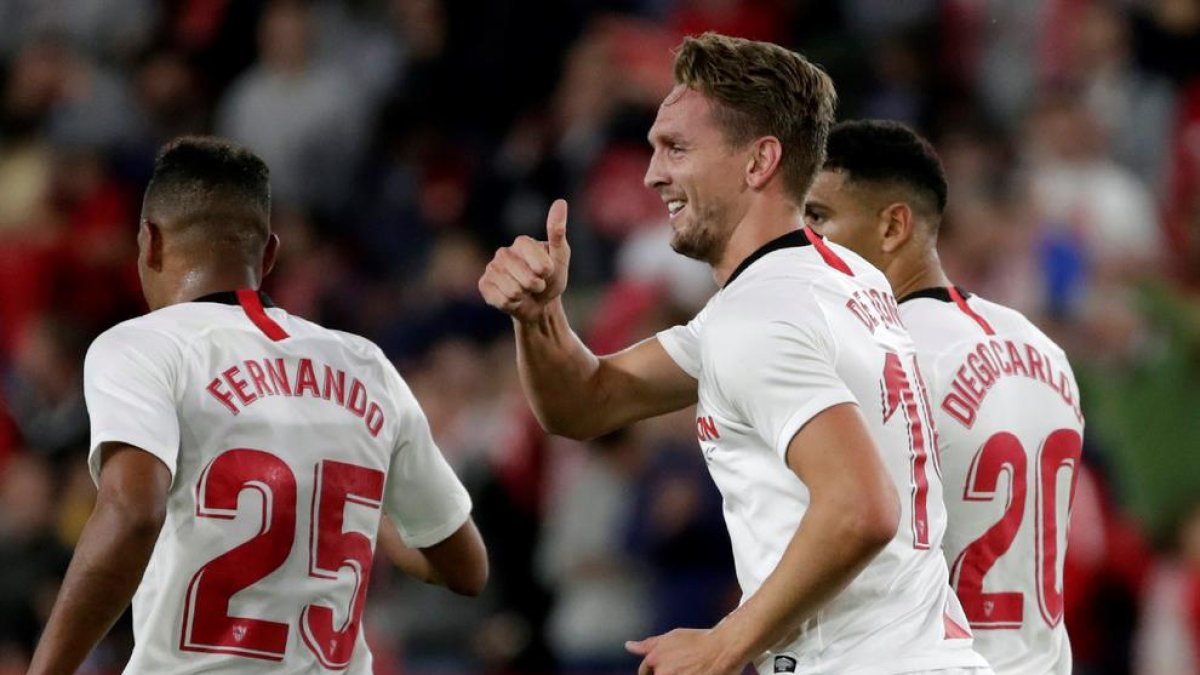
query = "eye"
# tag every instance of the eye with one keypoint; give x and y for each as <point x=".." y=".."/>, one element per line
<point x="675" y="150"/>
<point x="813" y="218"/>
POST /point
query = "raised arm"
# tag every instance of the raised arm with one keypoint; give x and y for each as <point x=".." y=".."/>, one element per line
<point x="573" y="392"/>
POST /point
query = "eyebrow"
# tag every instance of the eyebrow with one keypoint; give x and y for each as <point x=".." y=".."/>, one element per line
<point x="663" y="137"/>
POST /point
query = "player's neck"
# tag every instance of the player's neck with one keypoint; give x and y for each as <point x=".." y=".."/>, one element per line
<point x="909" y="276"/>
<point x="764" y="221"/>
<point x="199" y="282"/>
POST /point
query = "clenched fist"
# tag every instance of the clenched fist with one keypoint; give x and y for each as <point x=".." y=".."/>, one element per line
<point x="523" y="278"/>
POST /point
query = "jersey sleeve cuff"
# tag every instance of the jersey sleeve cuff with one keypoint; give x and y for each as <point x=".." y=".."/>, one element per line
<point x="438" y="534"/>
<point x="146" y="444"/>
<point x="673" y="349"/>
<point x="811" y="408"/>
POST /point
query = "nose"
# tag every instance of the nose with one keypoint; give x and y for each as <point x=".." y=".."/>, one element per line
<point x="655" y="176"/>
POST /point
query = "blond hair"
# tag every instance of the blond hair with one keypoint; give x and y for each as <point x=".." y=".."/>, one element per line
<point x="762" y="89"/>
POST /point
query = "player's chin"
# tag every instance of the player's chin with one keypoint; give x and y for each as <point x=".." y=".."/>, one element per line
<point x="687" y="244"/>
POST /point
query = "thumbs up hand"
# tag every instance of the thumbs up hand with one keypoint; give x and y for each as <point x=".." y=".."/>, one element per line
<point x="522" y="279"/>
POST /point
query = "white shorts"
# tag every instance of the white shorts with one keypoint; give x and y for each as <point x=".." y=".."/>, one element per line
<point x="955" y="671"/>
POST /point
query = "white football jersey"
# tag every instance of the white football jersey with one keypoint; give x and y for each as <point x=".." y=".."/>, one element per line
<point x="801" y="326"/>
<point x="1011" y="431"/>
<point x="286" y="442"/>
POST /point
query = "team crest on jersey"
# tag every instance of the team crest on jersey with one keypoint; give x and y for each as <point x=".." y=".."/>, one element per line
<point x="239" y="632"/>
<point x="989" y="606"/>
<point x="785" y="664"/>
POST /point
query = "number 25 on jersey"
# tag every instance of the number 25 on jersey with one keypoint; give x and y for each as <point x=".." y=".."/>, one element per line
<point x="208" y="625"/>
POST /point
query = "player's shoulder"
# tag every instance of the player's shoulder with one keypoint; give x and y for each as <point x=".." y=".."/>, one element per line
<point x="937" y="323"/>
<point x="351" y="342"/>
<point x="359" y="347"/>
<point x="1011" y="323"/>
<point x="142" y="334"/>
<point x="769" y="291"/>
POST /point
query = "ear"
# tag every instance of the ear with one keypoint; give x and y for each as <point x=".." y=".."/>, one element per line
<point x="766" y="155"/>
<point x="269" y="254"/>
<point x="150" y="245"/>
<point x="896" y="225"/>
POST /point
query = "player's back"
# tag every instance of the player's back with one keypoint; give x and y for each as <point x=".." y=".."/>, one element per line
<point x="1010" y="436"/>
<point x="286" y="441"/>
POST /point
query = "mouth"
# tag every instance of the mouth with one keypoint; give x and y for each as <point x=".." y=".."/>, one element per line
<point x="675" y="206"/>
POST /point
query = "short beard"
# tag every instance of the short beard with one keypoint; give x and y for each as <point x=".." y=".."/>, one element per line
<point x="702" y="240"/>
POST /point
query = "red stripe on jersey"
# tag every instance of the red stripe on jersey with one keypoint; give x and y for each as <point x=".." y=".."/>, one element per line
<point x="257" y="314"/>
<point x="827" y="253"/>
<point x="962" y="304"/>
<point x="953" y="630"/>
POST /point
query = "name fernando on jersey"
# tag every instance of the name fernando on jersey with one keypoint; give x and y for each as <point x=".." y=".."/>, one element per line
<point x="241" y="384"/>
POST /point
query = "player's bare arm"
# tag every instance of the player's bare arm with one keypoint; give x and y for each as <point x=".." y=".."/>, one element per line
<point x="458" y="562"/>
<point x="110" y="559"/>
<point x="853" y="514"/>
<point x="573" y="392"/>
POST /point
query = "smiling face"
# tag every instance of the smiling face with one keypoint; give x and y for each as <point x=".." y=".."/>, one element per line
<point x="698" y="174"/>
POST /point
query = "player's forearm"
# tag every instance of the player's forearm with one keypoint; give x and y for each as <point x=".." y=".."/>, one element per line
<point x="459" y="563"/>
<point x="108" y="565"/>
<point x="559" y="374"/>
<point x="829" y="549"/>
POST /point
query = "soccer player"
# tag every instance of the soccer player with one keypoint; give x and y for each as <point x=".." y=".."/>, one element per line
<point x="811" y="414"/>
<point x="243" y="456"/>
<point x="1005" y="402"/>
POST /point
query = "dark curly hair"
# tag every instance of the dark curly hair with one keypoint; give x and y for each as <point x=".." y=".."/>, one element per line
<point x="879" y="151"/>
<point x="212" y="190"/>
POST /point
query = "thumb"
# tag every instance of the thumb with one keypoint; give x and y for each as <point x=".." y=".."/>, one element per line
<point x="640" y="647"/>
<point x="556" y="229"/>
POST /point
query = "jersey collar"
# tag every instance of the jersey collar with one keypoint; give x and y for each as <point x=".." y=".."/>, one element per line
<point x="936" y="293"/>
<point x="231" y="298"/>
<point x="793" y="239"/>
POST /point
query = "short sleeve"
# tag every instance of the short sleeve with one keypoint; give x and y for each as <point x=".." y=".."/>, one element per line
<point x="778" y="374"/>
<point x="129" y="384"/>
<point x="682" y="343"/>
<point x="424" y="497"/>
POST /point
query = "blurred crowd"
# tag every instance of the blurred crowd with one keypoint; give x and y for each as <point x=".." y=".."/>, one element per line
<point x="409" y="138"/>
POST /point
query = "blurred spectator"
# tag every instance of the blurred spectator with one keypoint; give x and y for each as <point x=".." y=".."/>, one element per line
<point x="32" y="559"/>
<point x="305" y="117"/>
<point x="45" y="389"/>
<point x="171" y="97"/>
<point x="217" y="36"/>
<point x="601" y="591"/>
<point x="1168" y="641"/>
<point x="1097" y="221"/>
<point x="92" y="106"/>
<point x="902" y="79"/>
<point x="1105" y="570"/>
<point x="678" y="530"/>
<point x="111" y="29"/>
<point x="1134" y="109"/>
<point x="987" y="240"/>
<point x="313" y="279"/>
